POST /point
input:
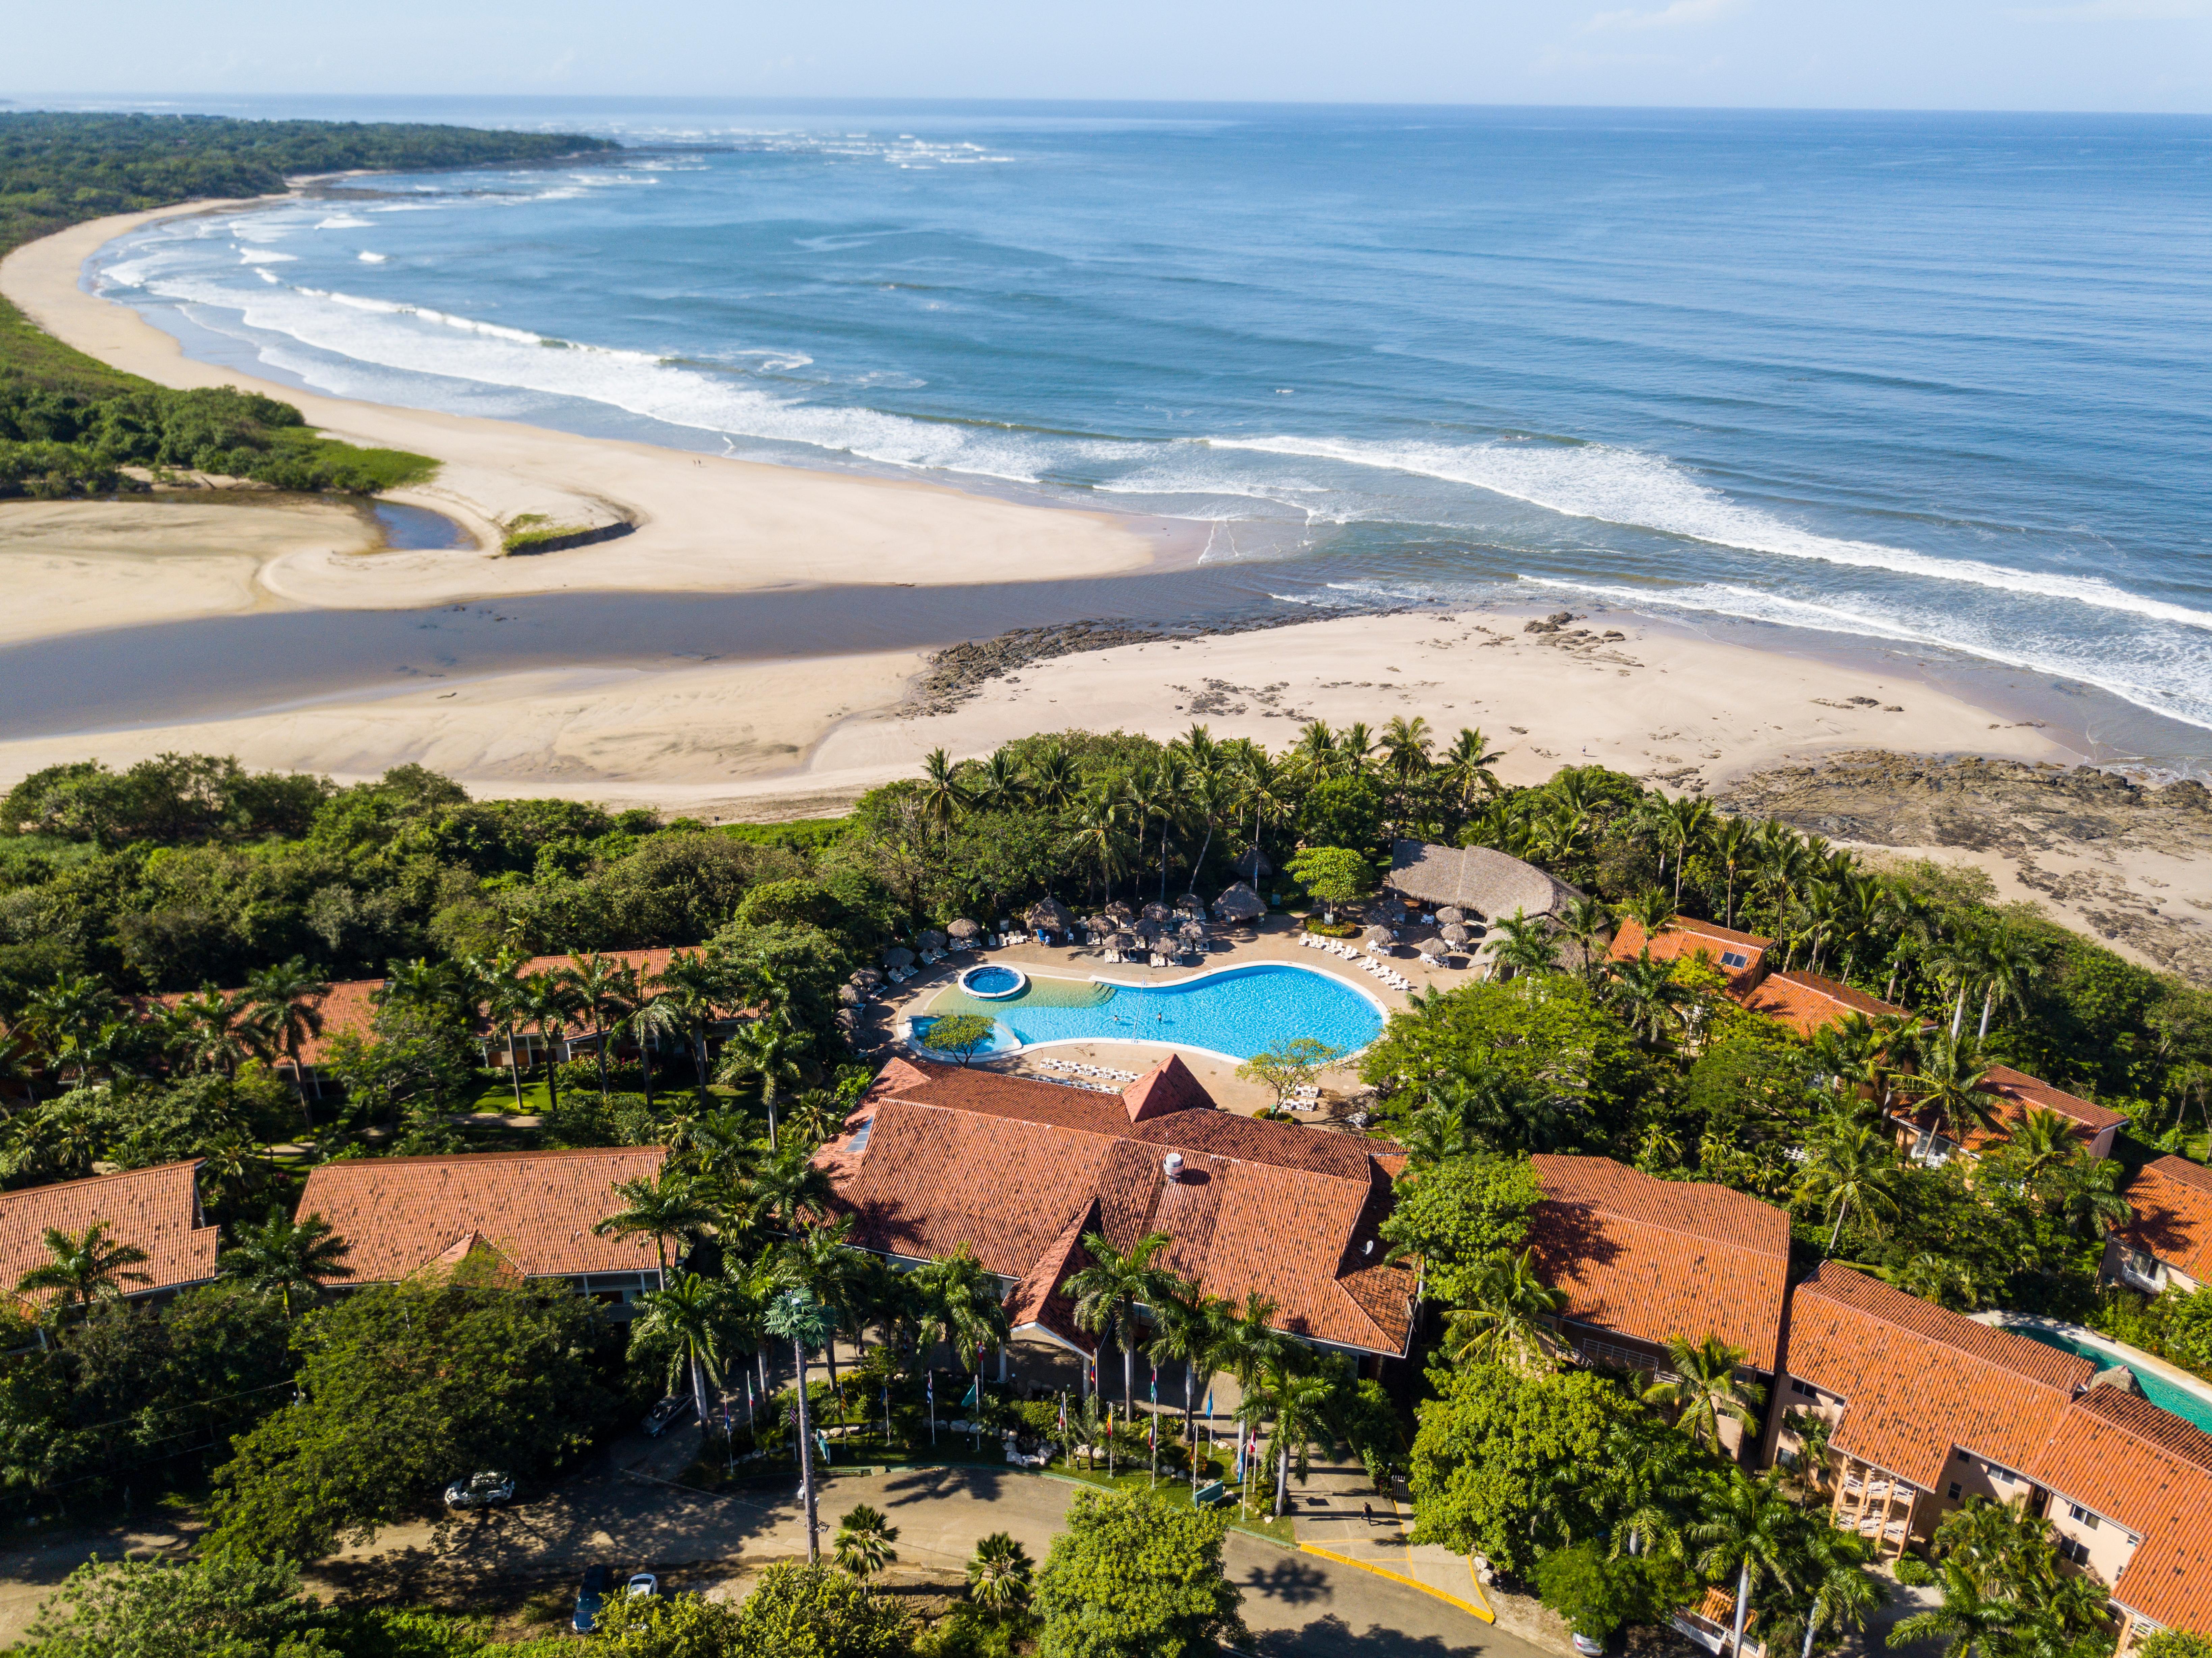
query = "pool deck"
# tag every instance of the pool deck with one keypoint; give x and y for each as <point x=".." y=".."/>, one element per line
<point x="1277" y="942"/>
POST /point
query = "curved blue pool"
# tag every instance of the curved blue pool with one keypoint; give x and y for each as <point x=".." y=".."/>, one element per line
<point x="1236" y="1012"/>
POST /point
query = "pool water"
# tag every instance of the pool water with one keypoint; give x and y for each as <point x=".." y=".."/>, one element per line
<point x="1236" y="1013"/>
<point x="992" y="980"/>
<point x="2189" y="1407"/>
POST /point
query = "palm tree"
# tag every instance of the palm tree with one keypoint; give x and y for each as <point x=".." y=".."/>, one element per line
<point x="1704" y="1388"/>
<point x="1053" y="780"/>
<point x="498" y="986"/>
<point x="771" y="1050"/>
<point x="1248" y="1342"/>
<point x="1843" y="1593"/>
<point x="85" y="1268"/>
<point x="1149" y="793"/>
<point x="1095" y="834"/>
<point x="2007" y="965"/>
<point x="650" y="1018"/>
<point x="795" y="1316"/>
<point x="1355" y="750"/>
<point x="600" y="988"/>
<point x="943" y="797"/>
<point x="1751" y="1529"/>
<point x="1000" y="787"/>
<point x="665" y="1205"/>
<point x="1970" y="1622"/>
<point x="2039" y="1140"/>
<point x="685" y="1319"/>
<point x="1264" y="790"/>
<point x="1108" y="1292"/>
<point x="863" y="1543"/>
<point x="2089" y="1196"/>
<point x="1503" y="1321"/>
<point x="1950" y="1080"/>
<point x="289" y="995"/>
<point x="1588" y="923"/>
<point x="698" y="986"/>
<point x="1208" y="797"/>
<point x="549" y="1003"/>
<point x="1315" y="753"/>
<point x="1648" y="996"/>
<point x="1732" y="843"/>
<point x="960" y="1304"/>
<point x="208" y="1031"/>
<point x="1849" y="1165"/>
<point x="285" y="1255"/>
<point x="782" y="1189"/>
<point x="999" y="1575"/>
<point x="1681" y="823"/>
<point x="1465" y="770"/>
<point x="822" y="1261"/>
<point x="1301" y="1402"/>
<point x="64" y="1020"/>
<point x="1186" y="1327"/>
<point x="1526" y="946"/>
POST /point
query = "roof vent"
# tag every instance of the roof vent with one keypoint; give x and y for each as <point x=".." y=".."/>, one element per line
<point x="1171" y="1165"/>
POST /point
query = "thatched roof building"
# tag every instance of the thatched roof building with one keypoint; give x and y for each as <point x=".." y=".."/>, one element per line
<point x="1476" y="879"/>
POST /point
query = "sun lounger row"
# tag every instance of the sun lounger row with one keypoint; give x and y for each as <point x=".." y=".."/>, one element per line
<point x="1079" y="1069"/>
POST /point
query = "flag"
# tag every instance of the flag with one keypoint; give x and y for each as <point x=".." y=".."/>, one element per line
<point x="823" y="1440"/>
<point x="975" y="1393"/>
<point x="1063" y="1413"/>
<point x="1209" y="1407"/>
<point x="1156" y="1384"/>
<point x="929" y="1389"/>
<point x="1239" y="1475"/>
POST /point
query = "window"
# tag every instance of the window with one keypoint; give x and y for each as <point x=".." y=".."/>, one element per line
<point x="2087" y="1520"/>
<point x="1735" y="958"/>
<point x="2073" y="1549"/>
<point x="1963" y="1457"/>
<point x="861" y="1137"/>
<point x="1797" y="1386"/>
<point x="1955" y="1489"/>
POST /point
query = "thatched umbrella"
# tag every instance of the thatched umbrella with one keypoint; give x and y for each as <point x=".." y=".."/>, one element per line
<point x="866" y="978"/>
<point x="963" y="931"/>
<point x="1125" y="941"/>
<point x="1190" y="904"/>
<point x="1147" y="929"/>
<point x="1192" y="931"/>
<point x="1157" y="911"/>
<point x="931" y="940"/>
<point x="898" y="957"/>
<point x="1450" y="914"/>
<point x="1239" y="903"/>
<point x="1118" y="910"/>
<point x="1379" y="934"/>
<point x="850" y="995"/>
<point x="1101" y="928"/>
<point x="1049" y="915"/>
<point x="1452" y="933"/>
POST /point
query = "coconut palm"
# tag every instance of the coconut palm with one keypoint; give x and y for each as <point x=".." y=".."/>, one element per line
<point x="1648" y="996"/>
<point x="664" y="1206"/>
<point x="495" y="985"/>
<point x="783" y="1189"/>
<point x="1406" y="746"/>
<point x="823" y="1260"/>
<point x="650" y="1018"/>
<point x="209" y="1033"/>
<point x="1588" y="923"/>
<point x="602" y="988"/>
<point x="1187" y="1329"/>
<point x="771" y="1050"/>
<point x="1000" y="1575"/>
<point x="1108" y="1293"/>
<point x="685" y="1321"/>
<point x="2006" y="964"/>
<point x="796" y="1317"/>
<point x="698" y="986"/>
<point x="1208" y="797"/>
<point x="289" y="996"/>
<point x="1849" y="1165"/>
<point x="1525" y="945"/>
<point x="2039" y="1140"/>
<point x="1248" y="1341"/>
<point x="959" y="1304"/>
<point x="1000" y="785"/>
<point x="1314" y="755"/>
<point x="65" y="1020"/>
<point x="1936" y="1279"/>
<point x="1751" y="1530"/>
<point x="1950" y="1081"/>
<point x="2088" y="1193"/>
<point x="1679" y="825"/>
<point x="1263" y="788"/>
<point x="1503" y="1322"/>
<point x="548" y="1002"/>
<point x="1970" y="1624"/>
<point x="1465" y="771"/>
<point x="1094" y="834"/>
<point x="863" y="1543"/>
<point x="1731" y="840"/>
<point x="83" y="1268"/>
<point x="287" y="1256"/>
<point x="943" y="796"/>
<point x="1054" y="780"/>
<point x="1842" y="1593"/>
<point x="1704" y="1388"/>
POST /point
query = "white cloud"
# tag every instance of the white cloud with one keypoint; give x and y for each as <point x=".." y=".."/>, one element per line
<point x="1681" y="13"/>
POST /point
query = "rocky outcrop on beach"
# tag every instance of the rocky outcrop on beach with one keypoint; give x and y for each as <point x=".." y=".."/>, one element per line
<point x="2126" y="860"/>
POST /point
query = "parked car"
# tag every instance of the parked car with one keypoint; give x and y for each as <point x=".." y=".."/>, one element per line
<point x="481" y="1490"/>
<point x="661" y="1416"/>
<point x="643" y="1583"/>
<point x="1588" y="1648"/>
<point x="590" y="1598"/>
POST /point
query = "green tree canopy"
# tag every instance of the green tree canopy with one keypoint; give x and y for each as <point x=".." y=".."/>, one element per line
<point x="1136" y="1576"/>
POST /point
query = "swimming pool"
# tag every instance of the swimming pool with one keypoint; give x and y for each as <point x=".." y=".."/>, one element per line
<point x="1234" y="1013"/>
<point x="2167" y="1395"/>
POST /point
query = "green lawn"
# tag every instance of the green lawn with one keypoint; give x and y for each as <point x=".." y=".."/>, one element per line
<point x="498" y="1095"/>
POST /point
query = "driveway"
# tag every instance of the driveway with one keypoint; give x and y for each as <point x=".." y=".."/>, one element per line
<point x="1297" y="1605"/>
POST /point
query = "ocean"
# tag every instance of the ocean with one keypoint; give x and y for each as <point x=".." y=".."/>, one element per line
<point x="1935" y="385"/>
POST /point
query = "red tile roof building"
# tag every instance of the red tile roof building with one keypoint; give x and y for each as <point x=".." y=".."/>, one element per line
<point x="2016" y="1095"/>
<point x="156" y="1210"/>
<point x="939" y="1157"/>
<point x="532" y="1210"/>
<point x="2131" y="1501"/>
<point x="2168" y="1244"/>
<point x="1647" y="1259"/>
<point x="1806" y="1001"/>
<point x="1926" y="1407"/>
<point x="1740" y="955"/>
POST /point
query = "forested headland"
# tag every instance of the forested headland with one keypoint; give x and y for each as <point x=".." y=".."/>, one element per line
<point x="69" y="424"/>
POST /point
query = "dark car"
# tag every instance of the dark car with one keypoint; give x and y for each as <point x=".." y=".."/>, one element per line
<point x="481" y="1490"/>
<point x="661" y="1416"/>
<point x="590" y="1598"/>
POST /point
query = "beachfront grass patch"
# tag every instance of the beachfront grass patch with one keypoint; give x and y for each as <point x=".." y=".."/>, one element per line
<point x="528" y="532"/>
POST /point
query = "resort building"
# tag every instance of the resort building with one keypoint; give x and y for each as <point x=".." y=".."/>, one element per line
<point x="156" y="1210"/>
<point x="1486" y="884"/>
<point x="2014" y="1093"/>
<point x="530" y="1213"/>
<point x="1920" y="1407"/>
<point x="1643" y="1260"/>
<point x="936" y="1156"/>
<point x="1806" y="1001"/>
<point x="1740" y="955"/>
<point x="2130" y="1496"/>
<point x="2168" y="1244"/>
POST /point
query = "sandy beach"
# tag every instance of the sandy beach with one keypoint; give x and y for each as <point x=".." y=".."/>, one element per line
<point x="803" y="733"/>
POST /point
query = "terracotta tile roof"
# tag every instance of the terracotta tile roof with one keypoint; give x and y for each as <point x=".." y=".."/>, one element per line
<point x="1014" y="1168"/>
<point x="1806" y="1001"/>
<point x="2016" y="1093"/>
<point x="1686" y="936"/>
<point x="1168" y="1086"/>
<point x="1654" y="1258"/>
<point x="534" y="1208"/>
<point x="156" y="1209"/>
<point x="349" y="1005"/>
<point x="1916" y="1380"/>
<point x="2130" y="1462"/>
<point x="2172" y="1199"/>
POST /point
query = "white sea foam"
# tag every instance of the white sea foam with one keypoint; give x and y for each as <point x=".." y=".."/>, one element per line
<point x="1627" y="487"/>
<point x="266" y="256"/>
<point x="367" y="258"/>
<point x="342" y="222"/>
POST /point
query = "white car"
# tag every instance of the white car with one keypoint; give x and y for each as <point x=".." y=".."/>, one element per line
<point x="482" y="1490"/>
<point x="1588" y="1648"/>
<point x="642" y="1584"/>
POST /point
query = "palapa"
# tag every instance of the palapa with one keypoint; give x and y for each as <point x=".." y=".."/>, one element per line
<point x="1380" y="935"/>
<point x="932" y="939"/>
<point x="1239" y="903"/>
<point x="1157" y="911"/>
<point x="1119" y="911"/>
<point x="898" y="957"/>
<point x="1453" y="933"/>
<point x="963" y="930"/>
<point x="1450" y="913"/>
<point x="1049" y="915"/>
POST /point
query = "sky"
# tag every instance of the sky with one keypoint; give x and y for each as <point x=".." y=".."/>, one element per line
<point x="2115" y="55"/>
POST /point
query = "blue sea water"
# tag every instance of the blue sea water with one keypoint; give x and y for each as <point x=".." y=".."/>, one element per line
<point x="1942" y="381"/>
<point x="1238" y="1012"/>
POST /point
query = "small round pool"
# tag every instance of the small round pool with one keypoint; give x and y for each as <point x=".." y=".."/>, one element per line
<point x="994" y="983"/>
